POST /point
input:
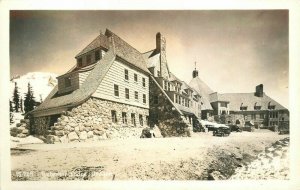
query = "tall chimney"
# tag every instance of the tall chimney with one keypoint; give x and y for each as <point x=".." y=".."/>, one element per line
<point x="259" y="90"/>
<point x="161" y="48"/>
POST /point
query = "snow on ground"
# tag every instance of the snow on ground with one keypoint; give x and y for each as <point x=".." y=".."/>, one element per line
<point x="143" y="159"/>
<point x="17" y="117"/>
<point x="16" y="142"/>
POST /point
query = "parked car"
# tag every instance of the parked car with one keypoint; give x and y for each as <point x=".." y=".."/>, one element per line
<point x="222" y="131"/>
<point x="235" y="128"/>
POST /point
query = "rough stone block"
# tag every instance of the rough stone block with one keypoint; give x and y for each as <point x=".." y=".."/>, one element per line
<point x="72" y="136"/>
<point x="83" y="135"/>
<point x="90" y="134"/>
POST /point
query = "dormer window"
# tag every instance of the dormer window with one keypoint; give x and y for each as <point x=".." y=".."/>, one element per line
<point x="97" y="55"/>
<point x="79" y="62"/>
<point x="271" y="107"/>
<point x="67" y="82"/>
<point x="88" y="59"/>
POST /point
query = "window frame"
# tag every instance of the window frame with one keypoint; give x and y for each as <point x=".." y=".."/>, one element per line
<point x="116" y="90"/>
<point x="144" y="82"/>
<point x="114" y="116"/>
<point x="97" y="53"/>
<point x="124" y="117"/>
<point x="127" y="96"/>
<point x="126" y="74"/>
<point x="135" y="76"/>
<point x="88" y="59"/>
<point x="144" y="99"/>
<point x="136" y="95"/>
<point x="67" y="81"/>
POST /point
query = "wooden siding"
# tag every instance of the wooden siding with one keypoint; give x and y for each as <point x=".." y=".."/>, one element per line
<point x="74" y="83"/>
<point x="115" y="75"/>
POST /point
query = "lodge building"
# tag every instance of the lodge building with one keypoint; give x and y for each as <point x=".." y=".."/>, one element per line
<point x="114" y="85"/>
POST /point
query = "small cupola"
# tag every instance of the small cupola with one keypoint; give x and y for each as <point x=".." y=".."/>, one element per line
<point x="195" y="72"/>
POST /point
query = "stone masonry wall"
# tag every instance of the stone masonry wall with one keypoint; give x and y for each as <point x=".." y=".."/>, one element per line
<point x="92" y="121"/>
<point x="165" y="116"/>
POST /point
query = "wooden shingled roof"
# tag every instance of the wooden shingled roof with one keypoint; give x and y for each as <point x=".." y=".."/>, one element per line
<point x="248" y="100"/>
<point x="203" y="90"/>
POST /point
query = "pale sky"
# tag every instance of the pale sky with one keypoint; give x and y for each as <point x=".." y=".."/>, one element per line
<point x="234" y="50"/>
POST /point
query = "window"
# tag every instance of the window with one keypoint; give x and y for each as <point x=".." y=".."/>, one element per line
<point x="97" y="55"/>
<point x="126" y="74"/>
<point x="79" y="62"/>
<point x="88" y="59"/>
<point x="136" y="95"/>
<point x="253" y="116"/>
<point x="158" y="73"/>
<point x="124" y="118"/>
<point x="144" y="82"/>
<point x="141" y="120"/>
<point x="223" y="104"/>
<point x="114" y="116"/>
<point x="133" y="119"/>
<point x="176" y="101"/>
<point x="126" y="93"/>
<point x="67" y="81"/>
<point x="155" y="99"/>
<point x="135" y="78"/>
<point x="116" y="89"/>
<point x="243" y="108"/>
<point x="169" y="86"/>
<point x="261" y="116"/>
<point x="144" y="98"/>
<point x="257" y="107"/>
<point x="166" y="85"/>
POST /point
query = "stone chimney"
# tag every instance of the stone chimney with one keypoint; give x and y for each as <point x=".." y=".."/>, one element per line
<point x="161" y="48"/>
<point x="259" y="90"/>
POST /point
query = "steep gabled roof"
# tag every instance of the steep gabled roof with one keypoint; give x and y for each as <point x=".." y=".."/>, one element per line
<point x="88" y="87"/>
<point x="127" y="52"/>
<point x="99" y="41"/>
<point x="203" y="91"/>
<point x="236" y="100"/>
<point x="152" y="58"/>
<point x="174" y="78"/>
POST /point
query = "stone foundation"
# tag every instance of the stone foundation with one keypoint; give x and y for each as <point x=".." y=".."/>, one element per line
<point x="92" y="121"/>
<point x="165" y="116"/>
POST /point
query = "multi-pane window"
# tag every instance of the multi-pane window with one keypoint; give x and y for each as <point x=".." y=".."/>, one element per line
<point x="141" y="120"/>
<point x="97" y="55"/>
<point x="144" y="82"/>
<point x="126" y="74"/>
<point x="261" y="116"/>
<point x="136" y="95"/>
<point x="133" y="119"/>
<point x="124" y="117"/>
<point x="253" y="116"/>
<point x="116" y="90"/>
<point x="67" y="82"/>
<point x="114" y="116"/>
<point x="126" y="93"/>
<point x="135" y="77"/>
<point x="79" y="62"/>
<point x="144" y="98"/>
<point x="88" y="59"/>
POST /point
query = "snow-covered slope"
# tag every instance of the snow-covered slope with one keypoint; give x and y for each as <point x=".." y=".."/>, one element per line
<point x="42" y="83"/>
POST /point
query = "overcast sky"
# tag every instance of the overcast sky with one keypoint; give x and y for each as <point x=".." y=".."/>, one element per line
<point x="234" y="50"/>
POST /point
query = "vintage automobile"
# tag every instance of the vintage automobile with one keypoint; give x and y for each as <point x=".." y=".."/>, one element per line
<point x="222" y="131"/>
<point x="235" y="128"/>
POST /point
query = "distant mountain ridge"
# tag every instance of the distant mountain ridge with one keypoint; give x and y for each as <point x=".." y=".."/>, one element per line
<point x="41" y="82"/>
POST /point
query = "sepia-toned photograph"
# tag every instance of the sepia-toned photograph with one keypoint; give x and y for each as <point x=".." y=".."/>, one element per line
<point x="149" y="95"/>
<point x="124" y="96"/>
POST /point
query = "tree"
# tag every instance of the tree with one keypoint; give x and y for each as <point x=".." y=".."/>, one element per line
<point x="29" y="101"/>
<point x="21" y="105"/>
<point x="16" y="98"/>
<point x="11" y="116"/>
